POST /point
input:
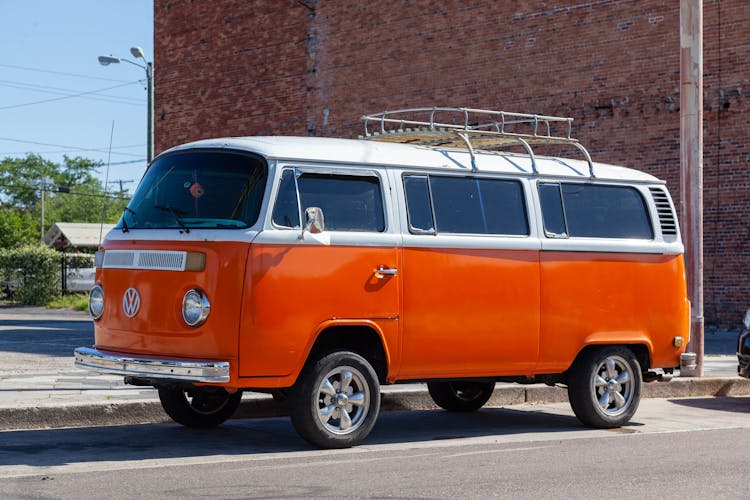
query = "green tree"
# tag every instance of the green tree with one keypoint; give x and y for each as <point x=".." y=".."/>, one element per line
<point x="73" y="193"/>
<point x="19" y="180"/>
<point x="17" y="228"/>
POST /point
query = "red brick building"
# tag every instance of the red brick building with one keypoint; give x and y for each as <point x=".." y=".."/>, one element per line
<point x="313" y="67"/>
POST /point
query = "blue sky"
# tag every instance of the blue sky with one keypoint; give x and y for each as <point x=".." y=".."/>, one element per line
<point x="49" y="54"/>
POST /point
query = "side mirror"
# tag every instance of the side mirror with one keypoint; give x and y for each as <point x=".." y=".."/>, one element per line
<point x="315" y="220"/>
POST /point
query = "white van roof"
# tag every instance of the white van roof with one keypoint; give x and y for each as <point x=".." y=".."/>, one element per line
<point x="359" y="151"/>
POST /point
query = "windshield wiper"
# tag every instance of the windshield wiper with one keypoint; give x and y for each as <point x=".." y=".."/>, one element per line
<point x="129" y="210"/>
<point x="167" y="208"/>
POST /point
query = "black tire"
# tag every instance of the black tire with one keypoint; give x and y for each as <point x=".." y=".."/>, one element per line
<point x="200" y="407"/>
<point x="604" y="387"/>
<point x="460" y="395"/>
<point x="322" y="406"/>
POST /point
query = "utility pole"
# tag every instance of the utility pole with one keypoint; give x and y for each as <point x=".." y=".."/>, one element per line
<point x="42" y="188"/>
<point x="121" y="182"/>
<point x="691" y="168"/>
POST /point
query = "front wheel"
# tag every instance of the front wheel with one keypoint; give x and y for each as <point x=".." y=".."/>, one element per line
<point x="460" y="395"/>
<point x="199" y="406"/>
<point x="604" y="387"/>
<point x="336" y="400"/>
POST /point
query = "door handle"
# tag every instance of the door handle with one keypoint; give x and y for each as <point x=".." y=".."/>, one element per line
<point x="382" y="271"/>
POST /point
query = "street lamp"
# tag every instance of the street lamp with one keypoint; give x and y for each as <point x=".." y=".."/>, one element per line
<point x="137" y="52"/>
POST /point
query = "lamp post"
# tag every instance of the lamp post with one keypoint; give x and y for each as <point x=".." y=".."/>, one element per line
<point x="147" y="66"/>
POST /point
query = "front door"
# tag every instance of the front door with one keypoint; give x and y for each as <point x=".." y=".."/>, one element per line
<point x="301" y="280"/>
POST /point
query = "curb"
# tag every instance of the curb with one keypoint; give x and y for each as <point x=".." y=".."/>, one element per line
<point x="151" y="412"/>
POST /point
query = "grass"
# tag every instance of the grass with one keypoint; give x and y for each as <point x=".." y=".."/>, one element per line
<point x="76" y="301"/>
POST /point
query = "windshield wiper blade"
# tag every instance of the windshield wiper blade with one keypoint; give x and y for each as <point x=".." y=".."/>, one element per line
<point x="180" y="222"/>
<point x="129" y="210"/>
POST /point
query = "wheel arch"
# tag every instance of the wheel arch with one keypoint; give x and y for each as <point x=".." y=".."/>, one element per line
<point x="361" y="337"/>
<point x="642" y="352"/>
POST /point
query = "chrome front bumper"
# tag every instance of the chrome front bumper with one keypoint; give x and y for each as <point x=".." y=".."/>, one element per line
<point x="168" y="369"/>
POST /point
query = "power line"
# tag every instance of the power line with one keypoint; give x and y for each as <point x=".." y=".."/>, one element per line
<point x="67" y="92"/>
<point x="58" y="151"/>
<point x="12" y="106"/>
<point x="62" y="190"/>
<point x="37" y="143"/>
<point x="39" y="70"/>
<point x="121" y="182"/>
<point x="129" y="162"/>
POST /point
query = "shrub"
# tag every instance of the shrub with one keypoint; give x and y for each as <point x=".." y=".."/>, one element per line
<point x="31" y="272"/>
<point x="75" y="301"/>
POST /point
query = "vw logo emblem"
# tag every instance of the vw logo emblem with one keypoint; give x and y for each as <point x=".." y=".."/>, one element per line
<point x="131" y="302"/>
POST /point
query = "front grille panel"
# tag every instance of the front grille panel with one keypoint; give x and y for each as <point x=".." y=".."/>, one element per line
<point x="157" y="260"/>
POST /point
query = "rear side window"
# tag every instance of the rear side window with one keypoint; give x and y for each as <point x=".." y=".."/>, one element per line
<point x="465" y="205"/>
<point x="585" y="210"/>
<point x="418" y="203"/>
<point x="349" y="202"/>
<point x="550" y="198"/>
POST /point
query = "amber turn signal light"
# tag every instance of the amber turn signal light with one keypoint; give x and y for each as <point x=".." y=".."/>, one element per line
<point x="195" y="261"/>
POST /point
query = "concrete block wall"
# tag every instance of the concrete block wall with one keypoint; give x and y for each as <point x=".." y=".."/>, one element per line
<point x="313" y="67"/>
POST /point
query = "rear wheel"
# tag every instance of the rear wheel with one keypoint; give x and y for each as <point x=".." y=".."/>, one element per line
<point x="199" y="406"/>
<point x="336" y="400"/>
<point x="604" y="387"/>
<point x="460" y="395"/>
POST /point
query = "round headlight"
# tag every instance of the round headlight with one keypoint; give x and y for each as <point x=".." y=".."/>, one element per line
<point x="96" y="301"/>
<point x="195" y="307"/>
<point x="746" y="320"/>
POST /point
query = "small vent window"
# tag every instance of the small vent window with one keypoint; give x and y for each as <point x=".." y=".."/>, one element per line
<point x="664" y="209"/>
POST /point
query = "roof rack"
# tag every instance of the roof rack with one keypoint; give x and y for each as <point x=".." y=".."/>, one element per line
<point x="471" y="129"/>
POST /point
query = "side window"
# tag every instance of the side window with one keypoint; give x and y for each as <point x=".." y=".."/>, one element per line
<point x="605" y="212"/>
<point x="458" y="205"/>
<point x="349" y="202"/>
<point x="286" y="211"/>
<point x="465" y="205"/>
<point x="418" y="204"/>
<point x="504" y="207"/>
<point x="591" y="211"/>
<point x="552" y="210"/>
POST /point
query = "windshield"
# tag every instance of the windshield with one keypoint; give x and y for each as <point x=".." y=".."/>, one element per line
<point x="202" y="190"/>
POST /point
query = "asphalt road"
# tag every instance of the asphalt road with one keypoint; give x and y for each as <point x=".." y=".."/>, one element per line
<point x="682" y="448"/>
<point x="30" y="334"/>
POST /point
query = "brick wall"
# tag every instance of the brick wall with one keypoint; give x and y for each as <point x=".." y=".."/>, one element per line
<point x="313" y="67"/>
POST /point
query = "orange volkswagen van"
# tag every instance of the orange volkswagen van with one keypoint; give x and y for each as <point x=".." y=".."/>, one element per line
<point x="424" y="251"/>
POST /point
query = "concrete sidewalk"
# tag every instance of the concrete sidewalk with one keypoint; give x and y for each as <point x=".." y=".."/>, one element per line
<point x="40" y="387"/>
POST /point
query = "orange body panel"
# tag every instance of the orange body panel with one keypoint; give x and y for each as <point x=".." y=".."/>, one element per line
<point x="606" y="298"/>
<point x="158" y="328"/>
<point x="295" y="289"/>
<point x="469" y="312"/>
<point x="447" y="313"/>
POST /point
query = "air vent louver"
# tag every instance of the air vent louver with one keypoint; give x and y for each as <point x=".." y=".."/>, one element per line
<point x="664" y="209"/>
<point x="158" y="260"/>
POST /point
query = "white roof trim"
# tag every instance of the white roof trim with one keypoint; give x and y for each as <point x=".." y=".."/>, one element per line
<point x="361" y="152"/>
